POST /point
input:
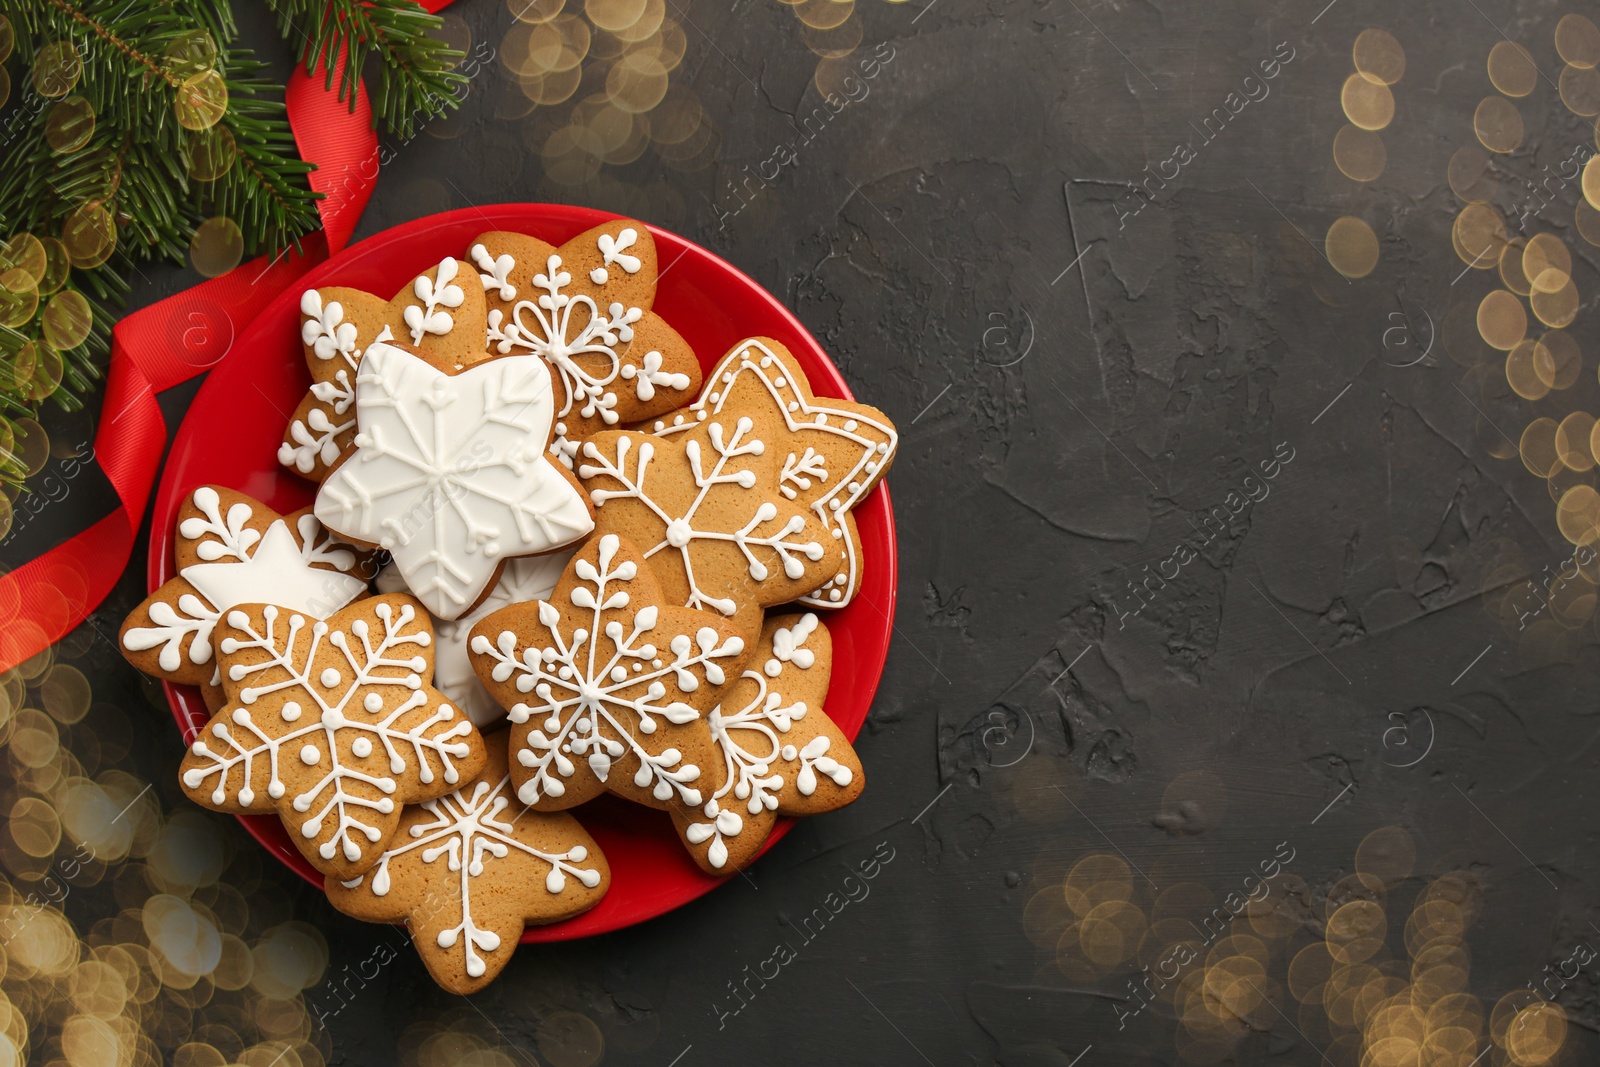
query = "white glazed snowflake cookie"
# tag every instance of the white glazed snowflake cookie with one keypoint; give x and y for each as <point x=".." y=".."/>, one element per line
<point x="449" y="473"/>
<point x="586" y="308"/>
<point x="332" y="725"/>
<point x="523" y="579"/>
<point x="708" y="510"/>
<point x="230" y="549"/>
<point x="606" y="685"/>
<point x="440" y="313"/>
<point x="467" y="871"/>
<point x="834" y="451"/>
<point x="781" y="754"/>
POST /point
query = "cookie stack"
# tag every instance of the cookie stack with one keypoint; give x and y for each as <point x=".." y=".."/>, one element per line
<point x="545" y="562"/>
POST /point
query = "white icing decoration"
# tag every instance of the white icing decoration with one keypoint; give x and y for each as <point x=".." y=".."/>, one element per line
<point x="788" y="646"/>
<point x="524" y="579"/>
<point x="577" y="691"/>
<point x="648" y="374"/>
<point x="753" y="750"/>
<point x="386" y="668"/>
<point x="470" y="831"/>
<point x="613" y="254"/>
<point x="551" y="335"/>
<point x="450" y="474"/>
<point x="326" y="332"/>
<point x="316" y="439"/>
<point x="435" y="295"/>
<point x="801" y="470"/>
<point x="247" y="568"/>
<point x="876" y="439"/>
<point x="498" y="268"/>
<point x="680" y="529"/>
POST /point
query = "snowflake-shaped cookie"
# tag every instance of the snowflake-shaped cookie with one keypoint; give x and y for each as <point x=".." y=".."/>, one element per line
<point x="781" y="754"/>
<point x="231" y="549"/>
<point x="585" y="307"/>
<point x="439" y="312"/>
<point x="606" y="684"/>
<point x="449" y="473"/>
<point x="467" y="871"/>
<point x="524" y="579"/>
<point x="331" y="724"/>
<point x="708" y="510"/>
<point x="834" y="451"/>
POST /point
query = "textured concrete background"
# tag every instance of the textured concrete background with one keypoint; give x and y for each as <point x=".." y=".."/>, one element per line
<point x="1078" y="386"/>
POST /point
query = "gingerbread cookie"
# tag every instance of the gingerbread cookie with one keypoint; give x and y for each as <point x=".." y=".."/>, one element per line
<point x="585" y="307"/>
<point x="606" y="684"/>
<point x="436" y="313"/>
<point x="231" y="549"/>
<point x="709" y="513"/>
<point x="526" y="578"/>
<point x="331" y="724"/>
<point x="834" y="451"/>
<point x="781" y="754"/>
<point x="468" y="870"/>
<point x="449" y="473"/>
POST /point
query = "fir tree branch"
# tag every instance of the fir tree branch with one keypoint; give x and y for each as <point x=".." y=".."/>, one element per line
<point x="413" y="76"/>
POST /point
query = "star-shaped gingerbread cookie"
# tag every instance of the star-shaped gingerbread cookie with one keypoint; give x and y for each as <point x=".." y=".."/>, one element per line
<point x="781" y="754"/>
<point x="467" y="871"/>
<point x="231" y="549"/>
<point x="450" y="474"/>
<point x="606" y="684"/>
<point x="586" y="308"/>
<point x="332" y="725"/>
<point x="440" y="313"/>
<point x="834" y="451"/>
<point x="708" y="510"/>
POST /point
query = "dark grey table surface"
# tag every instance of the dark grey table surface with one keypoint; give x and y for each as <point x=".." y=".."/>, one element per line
<point x="1106" y="323"/>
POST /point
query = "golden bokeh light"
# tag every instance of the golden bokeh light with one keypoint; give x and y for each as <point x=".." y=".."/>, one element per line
<point x="57" y="67"/>
<point x="823" y="14"/>
<point x="19" y="297"/>
<point x="1522" y="375"/>
<point x="1498" y="124"/>
<point x="1578" y="514"/>
<point x="1512" y="70"/>
<point x="69" y="125"/>
<point x="1557" y="360"/>
<point x="1538" y="447"/>
<point x="1580" y="90"/>
<point x="189" y="53"/>
<point x="1511" y="273"/>
<point x="1502" y="322"/>
<point x="1479" y="235"/>
<point x="89" y="234"/>
<point x="1586" y="220"/>
<point x="201" y="101"/>
<point x="1351" y="247"/>
<point x="209" y="154"/>
<point x="1387" y="854"/>
<point x="1379" y="56"/>
<point x="216" y="247"/>
<point x="57" y="265"/>
<point x="1367" y="104"/>
<point x="1546" y="263"/>
<point x="67" y="320"/>
<point x="1555" y="308"/>
<point x="1578" y="41"/>
<point x="1359" y="154"/>
<point x="1572" y="440"/>
<point x="1097" y="879"/>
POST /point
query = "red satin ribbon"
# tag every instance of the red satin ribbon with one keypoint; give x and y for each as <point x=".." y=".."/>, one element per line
<point x="170" y="342"/>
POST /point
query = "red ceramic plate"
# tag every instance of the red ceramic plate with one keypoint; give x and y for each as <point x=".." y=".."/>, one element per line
<point x="230" y="437"/>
